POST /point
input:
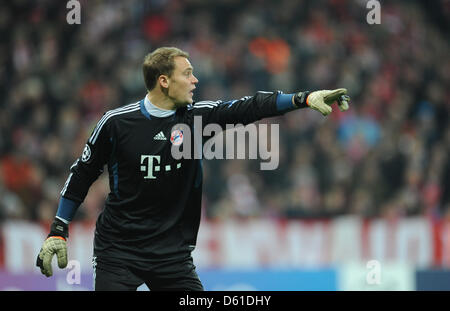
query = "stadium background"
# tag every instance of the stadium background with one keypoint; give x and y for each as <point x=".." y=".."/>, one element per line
<point x="368" y="184"/>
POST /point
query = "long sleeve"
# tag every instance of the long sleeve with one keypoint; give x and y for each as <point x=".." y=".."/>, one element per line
<point x="90" y="164"/>
<point x="245" y="110"/>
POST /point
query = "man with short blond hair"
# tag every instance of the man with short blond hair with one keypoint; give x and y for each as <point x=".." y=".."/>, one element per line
<point x="160" y="61"/>
<point x="150" y="221"/>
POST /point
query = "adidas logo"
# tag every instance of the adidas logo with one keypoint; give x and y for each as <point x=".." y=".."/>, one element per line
<point x="160" y="136"/>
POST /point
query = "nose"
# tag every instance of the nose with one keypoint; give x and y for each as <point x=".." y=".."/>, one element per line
<point x="194" y="80"/>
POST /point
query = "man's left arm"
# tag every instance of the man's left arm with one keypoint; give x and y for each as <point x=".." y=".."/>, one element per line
<point x="268" y="104"/>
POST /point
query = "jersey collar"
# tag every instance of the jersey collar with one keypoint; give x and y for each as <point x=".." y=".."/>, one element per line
<point x="152" y="110"/>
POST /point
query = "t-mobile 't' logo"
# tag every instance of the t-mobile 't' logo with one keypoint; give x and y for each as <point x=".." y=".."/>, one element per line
<point x="148" y="166"/>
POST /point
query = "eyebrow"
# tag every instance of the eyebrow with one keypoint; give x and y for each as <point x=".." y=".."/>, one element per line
<point x="188" y="68"/>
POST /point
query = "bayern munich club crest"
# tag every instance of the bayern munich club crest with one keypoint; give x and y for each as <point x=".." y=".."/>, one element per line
<point x="176" y="138"/>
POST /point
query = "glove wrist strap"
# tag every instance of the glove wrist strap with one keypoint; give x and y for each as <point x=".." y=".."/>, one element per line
<point x="59" y="228"/>
<point x="300" y="99"/>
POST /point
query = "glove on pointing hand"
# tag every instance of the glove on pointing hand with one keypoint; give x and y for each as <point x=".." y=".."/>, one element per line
<point x="322" y="100"/>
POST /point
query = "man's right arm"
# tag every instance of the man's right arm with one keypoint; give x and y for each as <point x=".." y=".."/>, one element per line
<point x="83" y="173"/>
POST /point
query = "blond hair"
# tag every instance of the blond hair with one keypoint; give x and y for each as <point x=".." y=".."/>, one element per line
<point x="160" y="62"/>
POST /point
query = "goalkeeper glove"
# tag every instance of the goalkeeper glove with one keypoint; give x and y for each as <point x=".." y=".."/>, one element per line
<point x="54" y="244"/>
<point x="322" y="100"/>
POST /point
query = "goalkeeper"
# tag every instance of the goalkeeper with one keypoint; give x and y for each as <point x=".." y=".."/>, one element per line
<point x="148" y="227"/>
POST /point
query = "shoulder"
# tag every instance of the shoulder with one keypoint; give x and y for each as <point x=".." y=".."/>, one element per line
<point x="112" y="114"/>
<point x="205" y="104"/>
<point x="121" y="111"/>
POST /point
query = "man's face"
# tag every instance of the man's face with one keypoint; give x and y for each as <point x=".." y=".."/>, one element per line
<point x="182" y="82"/>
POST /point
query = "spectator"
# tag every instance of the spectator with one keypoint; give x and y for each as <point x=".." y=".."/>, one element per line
<point x="388" y="156"/>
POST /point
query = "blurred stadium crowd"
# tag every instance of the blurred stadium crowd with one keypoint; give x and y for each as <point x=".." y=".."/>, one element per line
<point x="386" y="157"/>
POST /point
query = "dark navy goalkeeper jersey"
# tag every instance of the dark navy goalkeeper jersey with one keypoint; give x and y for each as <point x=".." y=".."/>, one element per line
<point x="152" y="212"/>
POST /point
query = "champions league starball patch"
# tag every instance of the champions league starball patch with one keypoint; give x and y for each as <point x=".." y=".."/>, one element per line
<point x="86" y="153"/>
<point x="176" y="138"/>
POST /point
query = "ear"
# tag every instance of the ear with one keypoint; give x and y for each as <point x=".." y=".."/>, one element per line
<point x="163" y="81"/>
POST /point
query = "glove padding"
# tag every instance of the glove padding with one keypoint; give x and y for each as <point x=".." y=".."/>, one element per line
<point x="322" y="100"/>
<point x="53" y="245"/>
